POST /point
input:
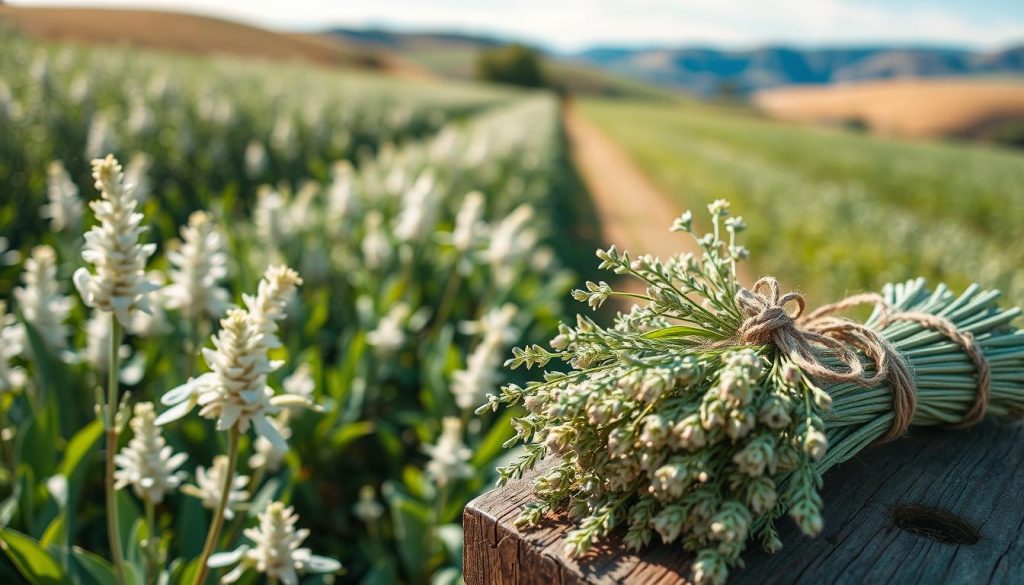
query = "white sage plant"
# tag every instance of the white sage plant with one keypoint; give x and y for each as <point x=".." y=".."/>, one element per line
<point x="199" y="267"/>
<point x="276" y="550"/>
<point x="42" y="301"/>
<point x="147" y="463"/>
<point x="64" y="207"/>
<point x="482" y="373"/>
<point x="449" y="457"/>
<point x="690" y="420"/>
<point x="137" y="174"/>
<point x="510" y="240"/>
<point x="12" y="377"/>
<point x="390" y="333"/>
<point x="118" y="287"/>
<point x="235" y="392"/>
<point x="150" y="466"/>
<point x="209" y="487"/>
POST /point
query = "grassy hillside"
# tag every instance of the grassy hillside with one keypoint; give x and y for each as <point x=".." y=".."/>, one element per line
<point x="832" y="211"/>
<point x="181" y="32"/>
<point x="910" y="108"/>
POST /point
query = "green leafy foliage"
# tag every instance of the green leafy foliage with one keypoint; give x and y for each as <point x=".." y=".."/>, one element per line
<point x="32" y="559"/>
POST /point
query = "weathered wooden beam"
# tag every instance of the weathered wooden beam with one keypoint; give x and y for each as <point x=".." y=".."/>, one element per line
<point x="941" y="506"/>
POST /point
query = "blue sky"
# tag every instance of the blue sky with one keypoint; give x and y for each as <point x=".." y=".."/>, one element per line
<point x="574" y="24"/>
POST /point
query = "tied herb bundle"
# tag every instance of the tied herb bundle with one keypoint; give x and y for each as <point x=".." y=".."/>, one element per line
<point x="708" y="411"/>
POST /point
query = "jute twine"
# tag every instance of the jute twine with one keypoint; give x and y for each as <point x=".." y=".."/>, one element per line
<point x="802" y="338"/>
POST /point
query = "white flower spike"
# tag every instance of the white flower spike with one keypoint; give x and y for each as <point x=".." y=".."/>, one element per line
<point x="276" y="550"/>
<point x="199" y="267"/>
<point x="11" y="377"/>
<point x="148" y="463"/>
<point x="112" y="247"/>
<point x="210" y="482"/>
<point x="235" y="392"/>
<point x="41" y="299"/>
<point x="449" y="458"/>
<point x="64" y="208"/>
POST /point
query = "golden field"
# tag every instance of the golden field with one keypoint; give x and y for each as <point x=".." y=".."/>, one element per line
<point x="905" y="108"/>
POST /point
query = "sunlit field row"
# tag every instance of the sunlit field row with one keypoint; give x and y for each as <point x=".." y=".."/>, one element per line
<point x="419" y="221"/>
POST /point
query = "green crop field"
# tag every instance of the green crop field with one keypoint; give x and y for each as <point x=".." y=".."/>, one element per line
<point x="833" y="211"/>
<point x="431" y="227"/>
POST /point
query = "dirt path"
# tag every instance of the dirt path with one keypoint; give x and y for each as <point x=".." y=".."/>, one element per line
<point x="634" y="214"/>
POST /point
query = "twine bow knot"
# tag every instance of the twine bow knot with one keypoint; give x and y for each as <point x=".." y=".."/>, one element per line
<point x="826" y="347"/>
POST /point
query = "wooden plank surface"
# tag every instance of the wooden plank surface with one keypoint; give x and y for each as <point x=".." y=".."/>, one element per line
<point x="939" y="484"/>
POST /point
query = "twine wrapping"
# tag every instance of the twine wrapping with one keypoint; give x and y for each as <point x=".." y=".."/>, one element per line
<point x="802" y="339"/>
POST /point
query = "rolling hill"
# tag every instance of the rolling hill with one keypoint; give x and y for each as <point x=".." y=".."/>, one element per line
<point x="174" y="31"/>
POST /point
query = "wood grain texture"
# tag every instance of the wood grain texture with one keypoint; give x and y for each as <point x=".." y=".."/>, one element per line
<point x="976" y="474"/>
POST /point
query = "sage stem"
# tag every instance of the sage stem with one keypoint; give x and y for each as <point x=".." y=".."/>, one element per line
<point x="113" y="525"/>
<point x="152" y="540"/>
<point x="218" y="514"/>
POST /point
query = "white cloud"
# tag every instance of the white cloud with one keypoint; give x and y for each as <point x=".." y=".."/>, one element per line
<point x="572" y="24"/>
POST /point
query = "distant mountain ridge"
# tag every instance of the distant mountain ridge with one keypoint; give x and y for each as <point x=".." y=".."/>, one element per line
<point x="401" y="40"/>
<point x="707" y="71"/>
<point x="710" y="70"/>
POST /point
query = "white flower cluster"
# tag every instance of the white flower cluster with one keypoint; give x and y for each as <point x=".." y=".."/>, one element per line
<point x="368" y="509"/>
<point x="148" y="463"/>
<point x="419" y="210"/>
<point x="375" y="247"/>
<point x="276" y="550"/>
<point x="449" y="457"/>
<point x="510" y="239"/>
<point x="256" y="159"/>
<point x="209" y="487"/>
<point x="199" y="267"/>
<point x="482" y="372"/>
<point x="235" y="392"/>
<point x="390" y="333"/>
<point x="41" y="299"/>
<point x="119" y="284"/>
<point x="11" y="377"/>
<point x="470" y="229"/>
<point x="341" y="196"/>
<point x="64" y="208"/>
<point x="136" y="174"/>
<point x="101" y="137"/>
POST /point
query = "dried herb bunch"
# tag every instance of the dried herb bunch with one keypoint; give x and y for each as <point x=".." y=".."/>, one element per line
<point x="669" y="423"/>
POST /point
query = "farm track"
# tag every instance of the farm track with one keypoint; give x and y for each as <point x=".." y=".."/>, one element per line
<point x="635" y="215"/>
